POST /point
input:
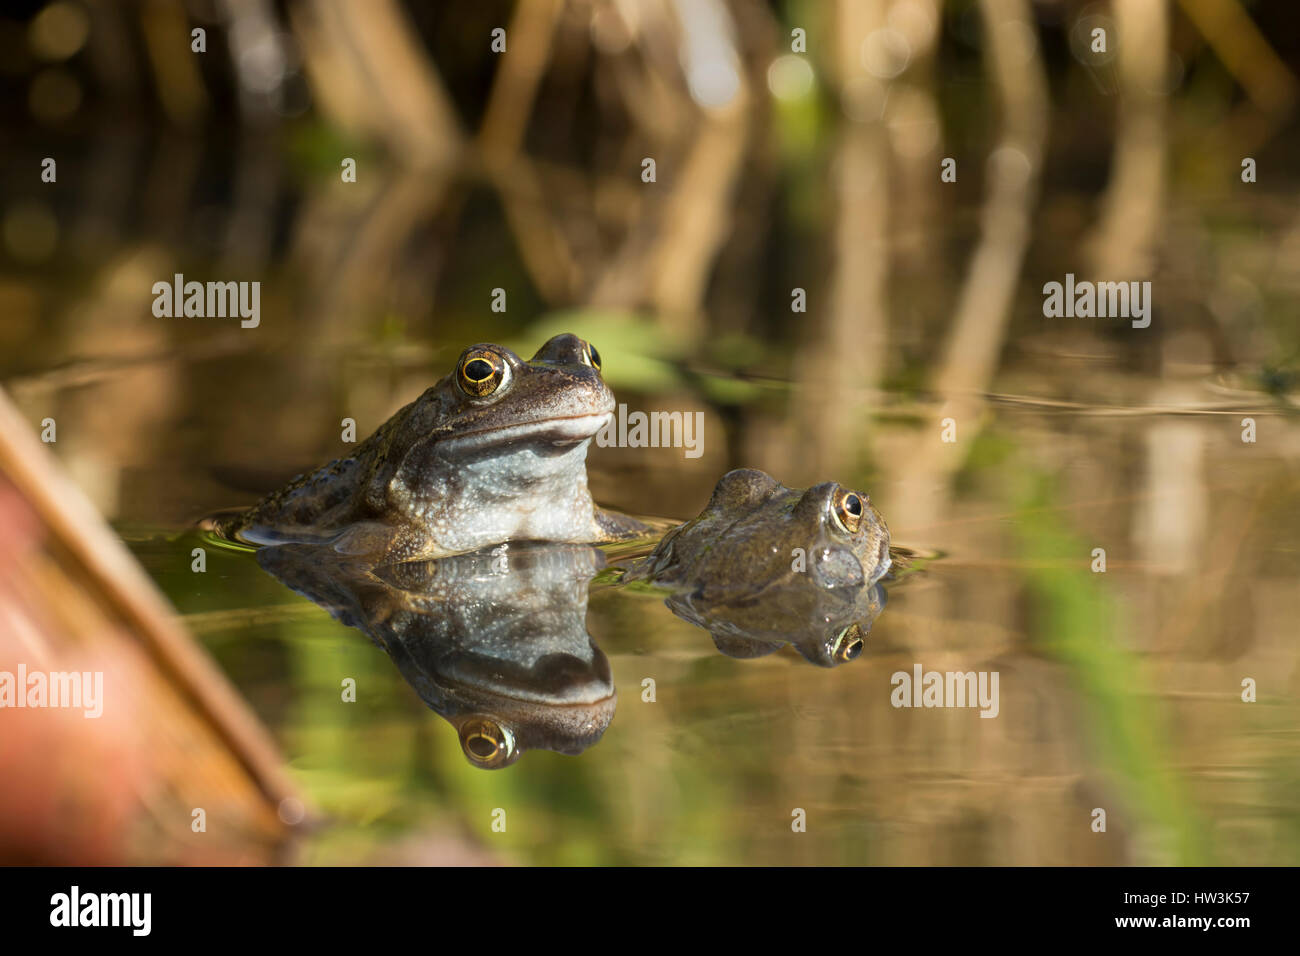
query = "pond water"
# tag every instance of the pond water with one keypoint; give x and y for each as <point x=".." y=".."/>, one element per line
<point x="1119" y="690"/>
<point x="1094" y="517"/>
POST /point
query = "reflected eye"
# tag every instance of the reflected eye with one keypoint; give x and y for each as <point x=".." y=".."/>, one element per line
<point x="848" y="509"/>
<point x="848" y="644"/>
<point x="481" y="373"/>
<point x="486" y="743"/>
<point x="591" y="357"/>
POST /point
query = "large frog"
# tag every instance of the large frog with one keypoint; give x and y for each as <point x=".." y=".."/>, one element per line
<point x="764" y="565"/>
<point x="495" y="451"/>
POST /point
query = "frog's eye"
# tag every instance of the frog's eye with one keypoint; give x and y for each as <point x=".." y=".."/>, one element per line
<point x="847" y="510"/>
<point x="590" y="356"/>
<point x="848" y="644"/>
<point x="486" y="743"/>
<point x="481" y="372"/>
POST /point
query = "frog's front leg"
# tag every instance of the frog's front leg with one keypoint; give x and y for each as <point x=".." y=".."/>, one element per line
<point x="376" y="538"/>
<point x="616" y="526"/>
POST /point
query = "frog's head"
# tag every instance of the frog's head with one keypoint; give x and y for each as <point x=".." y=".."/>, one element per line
<point x="494" y="442"/>
<point x="753" y="521"/>
<point x="848" y="539"/>
<point x="494" y="400"/>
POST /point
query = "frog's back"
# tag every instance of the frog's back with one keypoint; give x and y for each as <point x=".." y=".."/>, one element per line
<point x="309" y="507"/>
<point x="316" y="504"/>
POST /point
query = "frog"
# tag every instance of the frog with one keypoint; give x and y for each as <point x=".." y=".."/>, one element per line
<point x="494" y="451"/>
<point x="756" y="534"/>
<point x="494" y="642"/>
<point x="764" y="565"/>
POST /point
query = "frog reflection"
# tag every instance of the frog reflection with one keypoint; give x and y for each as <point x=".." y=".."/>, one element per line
<point x="825" y="631"/>
<point x="764" y="565"/>
<point x="494" y="642"/>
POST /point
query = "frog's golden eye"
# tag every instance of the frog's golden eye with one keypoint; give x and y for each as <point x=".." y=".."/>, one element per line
<point x="848" y="509"/>
<point x="486" y="743"/>
<point x="848" y="644"/>
<point x="481" y="373"/>
<point x="590" y="356"/>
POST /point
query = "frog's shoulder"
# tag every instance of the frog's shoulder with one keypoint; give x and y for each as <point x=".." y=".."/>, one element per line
<point x="332" y="487"/>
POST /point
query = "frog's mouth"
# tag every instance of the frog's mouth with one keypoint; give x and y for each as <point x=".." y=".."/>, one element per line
<point x="883" y="562"/>
<point x="563" y="432"/>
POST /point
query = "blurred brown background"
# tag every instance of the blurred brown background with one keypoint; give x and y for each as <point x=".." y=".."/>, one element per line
<point x="797" y="146"/>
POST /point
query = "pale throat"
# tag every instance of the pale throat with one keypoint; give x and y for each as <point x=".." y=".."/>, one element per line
<point x="517" y="493"/>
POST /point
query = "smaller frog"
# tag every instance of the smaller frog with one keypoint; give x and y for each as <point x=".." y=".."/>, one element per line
<point x="764" y="565"/>
<point x="495" y="451"/>
<point x="756" y="534"/>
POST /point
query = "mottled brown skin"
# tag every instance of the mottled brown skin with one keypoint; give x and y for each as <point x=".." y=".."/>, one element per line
<point x="764" y="565"/>
<point x="475" y="461"/>
<point x="748" y="538"/>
